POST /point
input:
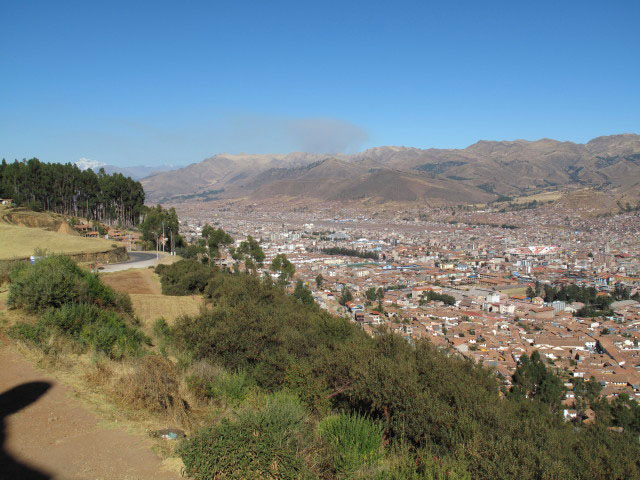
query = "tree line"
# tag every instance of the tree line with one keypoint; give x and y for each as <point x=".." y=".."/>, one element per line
<point x="349" y="252"/>
<point x="65" y="189"/>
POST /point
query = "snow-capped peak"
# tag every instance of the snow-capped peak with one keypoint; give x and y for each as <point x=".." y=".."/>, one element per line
<point x="86" y="163"/>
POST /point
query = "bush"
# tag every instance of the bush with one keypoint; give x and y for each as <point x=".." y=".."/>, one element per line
<point x="253" y="326"/>
<point x="355" y="441"/>
<point x="57" y="280"/>
<point x="153" y="386"/>
<point x="186" y="277"/>
<point x="199" y="378"/>
<point x="51" y="282"/>
<point x="422" y="465"/>
<point x="89" y="327"/>
<point x="230" y="387"/>
<point x="5" y="271"/>
<point x="267" y="441"/>
<point x="209" y="382"/>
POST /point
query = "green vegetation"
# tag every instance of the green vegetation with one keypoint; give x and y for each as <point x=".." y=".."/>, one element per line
<point x="354" y="440"/>
<point x="374" y="294"/>
<point x="431" y="296"/>
<point x="568" y="293"/>
<point x="216" y="239"/>
<point x="532" y="379"/>
<point x="349" y="252"/>
<point x="75" y="305"/>
<point x="345" y="296"/>
<point x="160" y="224"/>
<point x="267" y="440"/>
<point x="294" y="392"/>
<point x="56" y="281"/>
<point x="595" y="305"/>
<point x="250" y="252"/>
<point x="67" y="189"/>
<point x="89" y="327"/>
<point x="283" y="267"/>
<point x="186" y="277"/>
<point x="439" y="413"/>
<point x="303" y="294"/>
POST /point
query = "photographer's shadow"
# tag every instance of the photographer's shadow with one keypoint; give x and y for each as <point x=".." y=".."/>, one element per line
<point x="12" y="401"/>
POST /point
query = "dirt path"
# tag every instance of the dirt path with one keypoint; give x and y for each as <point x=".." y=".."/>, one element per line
<point x="49" y="434"/>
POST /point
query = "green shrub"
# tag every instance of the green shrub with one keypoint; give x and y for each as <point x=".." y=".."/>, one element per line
<point x="51" y="282"/>
<point x="32" y="333"/>
<point x="57" y="280"/>
<point x="404" y="464"/>
<point x="355" y="441"/>
<point x="232" y="388"/>
<point x="5" y="271"/>
<point x="186" y="277"/>
<point x="432" y="401"/>
<point x="266" y="441"/>
<point x="89" y="327"/>
<point x="277" y="332"/>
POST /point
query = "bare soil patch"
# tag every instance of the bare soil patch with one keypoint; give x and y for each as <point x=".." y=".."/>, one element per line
<point x="59" y="437"/>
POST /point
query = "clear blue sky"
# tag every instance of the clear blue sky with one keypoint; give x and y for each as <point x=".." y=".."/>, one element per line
<point x="135" y="82"/>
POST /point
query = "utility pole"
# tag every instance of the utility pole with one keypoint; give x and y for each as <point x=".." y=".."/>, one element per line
<point x="162" y="237"/>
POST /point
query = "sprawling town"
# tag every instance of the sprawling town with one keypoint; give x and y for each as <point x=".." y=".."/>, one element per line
<point x="489" y="285"/>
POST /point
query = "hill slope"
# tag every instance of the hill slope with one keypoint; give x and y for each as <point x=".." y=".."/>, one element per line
<point x="478" y="173"/>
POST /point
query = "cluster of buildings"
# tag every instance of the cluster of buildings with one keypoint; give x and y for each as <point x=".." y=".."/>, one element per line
<point x="464" y="279"/>
<point x="132" y="239"/>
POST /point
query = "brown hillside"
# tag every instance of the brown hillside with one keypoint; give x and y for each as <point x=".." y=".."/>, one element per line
<point x="478" y="173"/>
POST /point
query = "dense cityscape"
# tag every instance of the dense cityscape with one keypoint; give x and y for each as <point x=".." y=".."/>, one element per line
<point x="499" y="268"/>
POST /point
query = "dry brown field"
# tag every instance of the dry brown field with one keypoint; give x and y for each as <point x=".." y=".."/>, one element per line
<point x="134" y="280"/>
<point x="21" y="242"/>
<point x="143" y="286"/>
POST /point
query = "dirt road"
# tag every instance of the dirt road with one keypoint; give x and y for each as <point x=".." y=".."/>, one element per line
<point x="46" y="433"/>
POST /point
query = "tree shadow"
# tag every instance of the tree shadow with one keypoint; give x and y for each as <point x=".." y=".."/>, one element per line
<point x="12" y="401"/>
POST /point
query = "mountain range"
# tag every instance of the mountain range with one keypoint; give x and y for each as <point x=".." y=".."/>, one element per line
<point x="483" y="172"/>
<point x="136" y="172"/>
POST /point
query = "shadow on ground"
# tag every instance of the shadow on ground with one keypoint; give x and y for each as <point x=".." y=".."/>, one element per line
<point x="12" y="401"/>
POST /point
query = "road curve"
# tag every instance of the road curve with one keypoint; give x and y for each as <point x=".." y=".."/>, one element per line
<point x="136" y="260"/>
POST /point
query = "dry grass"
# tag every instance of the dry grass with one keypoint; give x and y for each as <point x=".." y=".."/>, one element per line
<point x="153" y="385"/>
<point x="20" y="242"/>
<point x="513" y="291"/>
<point x="540" y="197"/>
<point x="133" y="281"/>
<point x="151" y="307"/>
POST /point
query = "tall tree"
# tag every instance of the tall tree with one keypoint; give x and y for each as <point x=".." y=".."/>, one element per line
<point x="217" y="239"/>
<point x="281" y="265"/>
<point x="112" y="199"/>
<point x="532" y="379"/>
<point x="159" y="226"/>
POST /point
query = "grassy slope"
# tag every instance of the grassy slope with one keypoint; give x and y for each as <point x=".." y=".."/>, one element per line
<point x="20" y="242"/>
<point x="143" y="286"/>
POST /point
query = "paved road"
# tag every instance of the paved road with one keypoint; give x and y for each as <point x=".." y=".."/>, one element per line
<point x="137" y="260"/>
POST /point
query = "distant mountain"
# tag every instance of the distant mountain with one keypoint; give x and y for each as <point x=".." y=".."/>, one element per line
<point x="479" y="173"/>
<point x="136" y="172"/>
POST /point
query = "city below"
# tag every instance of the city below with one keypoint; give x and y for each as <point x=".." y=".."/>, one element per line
<point x="490" y="285"/>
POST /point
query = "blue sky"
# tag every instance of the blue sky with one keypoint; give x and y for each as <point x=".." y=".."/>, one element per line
<point x="130" y="83"/>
